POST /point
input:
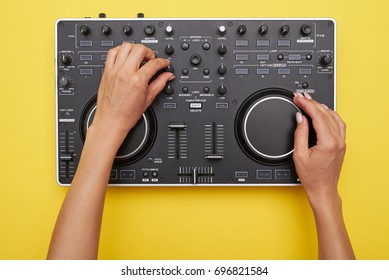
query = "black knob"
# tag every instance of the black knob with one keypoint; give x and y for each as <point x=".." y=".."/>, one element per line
<point x="169" y="90"/>
<point x="222" y="69"/>
<point x="106" y="30"/>
<point x="306" y="29"/>
<point x="169" y="69"/>
<point x="221" y="30"/>
<point x="127" y="30"/>
<point x="263" y="29"/>
<point x="195" y="59"/>
<point x="149" y="29"/>
<point x="65" y="59"/>
<point x="84" y="30"/>
<point x="169" y="50"/>
<point x="65" y="82"/>
<point x="222" y="89"/>
<point x="284" y="30"/>
<point x="222" y="49"/>
<point x="326" y="60"/>
<point x="242" y="29"/>
<point x="169" y="30"/>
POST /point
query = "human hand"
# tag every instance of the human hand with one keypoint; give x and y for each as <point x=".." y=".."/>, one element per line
<point x="319" y="167"/>
<point x="125" y="92"/>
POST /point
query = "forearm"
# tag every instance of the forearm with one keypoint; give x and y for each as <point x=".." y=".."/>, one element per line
<point x="77" y="231"/>
<point x="333" y="239"/>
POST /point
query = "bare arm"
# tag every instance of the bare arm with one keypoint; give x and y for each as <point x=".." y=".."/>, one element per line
<point x="319" y="170"/>
<point x="124" y="94"/>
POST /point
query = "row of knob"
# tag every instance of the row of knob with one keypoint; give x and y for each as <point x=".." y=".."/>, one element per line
<point x="149" y="30"/>
<point x="221" y="90"/>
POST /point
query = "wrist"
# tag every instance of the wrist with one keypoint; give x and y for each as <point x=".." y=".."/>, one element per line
<point x="324" y="201"/>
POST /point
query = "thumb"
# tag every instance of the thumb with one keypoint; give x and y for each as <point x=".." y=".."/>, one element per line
<point x="301" y="136"/>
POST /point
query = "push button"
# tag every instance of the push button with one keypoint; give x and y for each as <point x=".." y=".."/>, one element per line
<point x="127" y="174"/>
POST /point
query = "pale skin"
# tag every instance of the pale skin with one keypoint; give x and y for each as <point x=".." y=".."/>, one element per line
<point x="124" y="94"/>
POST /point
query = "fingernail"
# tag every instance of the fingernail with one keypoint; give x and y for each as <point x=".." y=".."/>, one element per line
<point x="307" y="95"/>
<point x="295" y="94"/>
<point x="171" y="78"/>
<point x="299" y="118"/>
<point x="300" y="94"/>
<point x="325" y="106"/>
<point x="167" y="60"/>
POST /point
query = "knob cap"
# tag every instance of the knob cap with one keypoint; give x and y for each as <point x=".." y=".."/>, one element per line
<point x="222" y="69"/>
<point x="65" y="82"/>
<point x="106" y="30"/>
<point x="284" y="30"/>
<point x="84" y="30"/>
<point x="65" y="59"/>
<point x="222" y="49"/>
<point x="169" y="50"/>
<point x="149" y="29"/>
<point x="127" y="30"/>
<point x="222" y="90"/>
<point x="326" y="60"/>
<point x="169" y="30"/>
<point x="195" y="59"/>
<point x="263" y="29"/>
<point x="221" y="30"/>
<point x="306" y="29"/>
<point x="169" y="90"/>
<point x="242" y="30"/>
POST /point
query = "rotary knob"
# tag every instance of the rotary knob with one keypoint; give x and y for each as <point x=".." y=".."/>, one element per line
<point x="326" y="60"/>
<point x="242" y="30"/>
<point x="65" y="59"/>
<point x="65" y="82"/>
<point x="127" y="30"/>
<point x="222" y="70"/>
<point x="195" y="59"/>
<point x="84" y="30"/>
<point x="149" y="30"/>
<point x="169" y="30"/>
<point x="284" y="30"/>
<point x="169" y="90"/>
<point x="169" y="50"/>
<point x="306" y="29"/>
<point x="222" y="49"/>
<point x="263" y="29"/>
<point x="221" y="30"/>
<point x="222" y="90"/>
<point x="106" y="30"/>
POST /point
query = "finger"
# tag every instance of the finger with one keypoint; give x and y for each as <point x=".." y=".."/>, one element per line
<point x="153" y="66"/>
<point x="138" y="54"/>
<point x="301" y="137"/>
<point x="111" y="58"/>
<point x="157" y="85"/>
<point x="122" y="55"/>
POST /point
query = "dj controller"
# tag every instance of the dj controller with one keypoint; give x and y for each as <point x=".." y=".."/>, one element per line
<point x="227" y="119"/>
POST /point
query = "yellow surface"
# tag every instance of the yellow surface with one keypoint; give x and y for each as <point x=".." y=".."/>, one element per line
<point x="192" y="223"/>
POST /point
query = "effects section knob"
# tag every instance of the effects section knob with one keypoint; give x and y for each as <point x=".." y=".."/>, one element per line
<point x="84" y="30"/>
<point x="222" y="90"/>
<point x="169" y="30"/>
<point x="65" y="59"/>
<point x="284" y="30"/>
<point x="169" y="50"/>
<point x="195" y="59"/>
<point x="221" y="30"/>
<point x="242" y="29"/>
<point x="306" y="30"/>
<point x="263" y="29"/>
<point x="127" y="30"/>
<point x="65" y="82"/>
<point x="326" y="60"/>
<point x="222" y="69"/>
<point x="149" y="30"/>
<point x="222" y="49"/>
<point x="106" y="30"/>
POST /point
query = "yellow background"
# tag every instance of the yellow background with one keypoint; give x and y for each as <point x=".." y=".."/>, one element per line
<point x="192" y="223"/>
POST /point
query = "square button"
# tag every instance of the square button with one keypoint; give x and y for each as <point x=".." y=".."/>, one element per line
<point x="127" y="174"/>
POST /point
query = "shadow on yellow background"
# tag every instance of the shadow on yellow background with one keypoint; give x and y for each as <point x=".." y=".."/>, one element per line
<point x="192" y="223"/>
